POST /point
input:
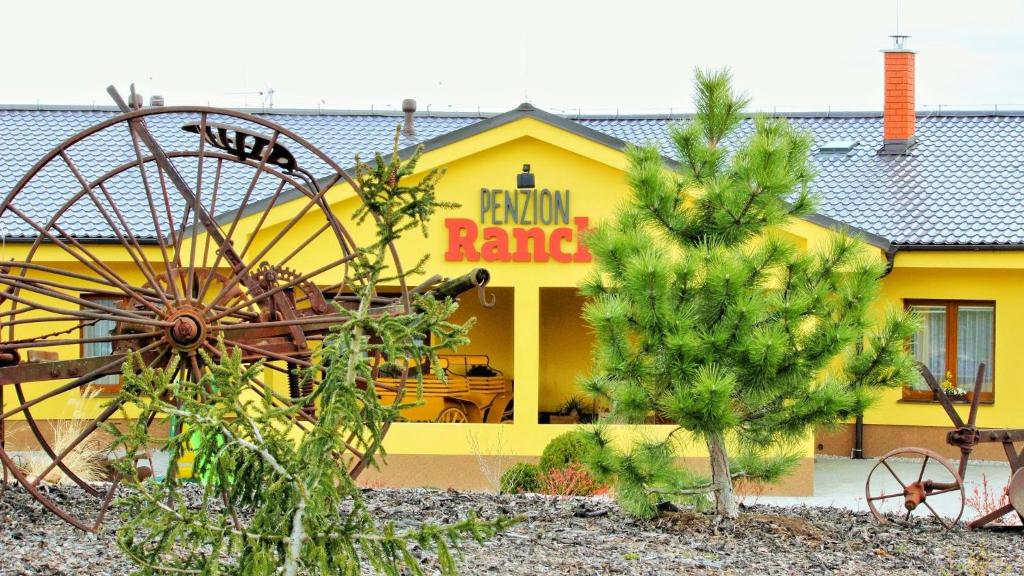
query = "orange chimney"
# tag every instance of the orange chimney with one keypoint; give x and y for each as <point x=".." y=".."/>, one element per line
<point x="899" y="117"/>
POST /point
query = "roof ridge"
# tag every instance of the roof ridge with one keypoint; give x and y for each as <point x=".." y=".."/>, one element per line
<point x="260" y="111"/>
<point x="522" y="107"/>
<point x="810" y="114"/>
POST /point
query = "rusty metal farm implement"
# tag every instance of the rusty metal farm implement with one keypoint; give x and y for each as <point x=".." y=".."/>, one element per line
<point x="943" y="479"/>
<point x="136" y="236"/>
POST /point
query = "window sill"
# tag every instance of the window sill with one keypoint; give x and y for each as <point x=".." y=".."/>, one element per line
<point x="923" y="401"/>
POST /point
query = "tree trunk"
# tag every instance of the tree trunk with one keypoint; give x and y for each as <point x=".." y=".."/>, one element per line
<point x="725" y="500"/>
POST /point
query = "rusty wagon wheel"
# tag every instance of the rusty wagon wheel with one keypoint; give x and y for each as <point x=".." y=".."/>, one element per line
<point x="139" y="236"/>
<point x="912" y="479"/>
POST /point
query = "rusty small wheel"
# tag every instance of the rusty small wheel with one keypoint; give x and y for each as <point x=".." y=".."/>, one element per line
<point x="452" y="415"/>
<point x="911" y="479"/>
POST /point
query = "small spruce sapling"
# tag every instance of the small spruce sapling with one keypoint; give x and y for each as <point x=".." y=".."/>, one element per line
<point x="274" y="500"/>
<point x="708" y="319"/>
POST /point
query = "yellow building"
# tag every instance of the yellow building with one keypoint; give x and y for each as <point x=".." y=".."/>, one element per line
<point x="936" y="196"/>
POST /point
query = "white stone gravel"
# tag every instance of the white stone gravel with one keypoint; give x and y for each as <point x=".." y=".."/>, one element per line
<point x="585" y="536"/>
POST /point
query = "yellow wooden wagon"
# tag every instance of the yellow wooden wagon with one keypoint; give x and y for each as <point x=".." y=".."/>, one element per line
<point x="474" y="391"/>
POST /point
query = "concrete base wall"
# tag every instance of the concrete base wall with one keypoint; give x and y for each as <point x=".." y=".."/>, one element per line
<point x="881" y="438"/>
<point x="460" y="472"/>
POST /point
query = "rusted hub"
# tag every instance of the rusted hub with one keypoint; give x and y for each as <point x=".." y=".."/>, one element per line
<point x="916" y="494"/>
<point x="188" y="330"/>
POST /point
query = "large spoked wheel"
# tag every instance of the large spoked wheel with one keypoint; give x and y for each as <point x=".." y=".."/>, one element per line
<point x="909" y="480"/>
<point x="153" y="234"/>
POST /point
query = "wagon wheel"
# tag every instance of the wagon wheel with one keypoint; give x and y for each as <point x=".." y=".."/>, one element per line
<point x="452" y="415"/>
<point x="137" y="236"/>
<point x="913" y="486"/>
<point x="508" y="416"/>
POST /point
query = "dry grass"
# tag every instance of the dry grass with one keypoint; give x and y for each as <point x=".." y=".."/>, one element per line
<point x="492" y="462"/>
<point x="87" y="460"/>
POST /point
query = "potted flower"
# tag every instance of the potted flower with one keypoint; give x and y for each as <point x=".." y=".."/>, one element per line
<point x="952" y="391"/>
<point x="568" y="412"/>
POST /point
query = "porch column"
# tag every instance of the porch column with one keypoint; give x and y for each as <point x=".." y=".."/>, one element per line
<point x="527" y="354"/>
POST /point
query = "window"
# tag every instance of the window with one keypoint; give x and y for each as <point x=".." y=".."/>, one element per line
<point x="837" y="147"/>
<point x="110" y="384"/>
<point x="955" y="337"/>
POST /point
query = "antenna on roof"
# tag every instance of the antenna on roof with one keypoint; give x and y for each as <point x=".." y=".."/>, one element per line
<point x="898" y="39"/>
<point x="526" y="71"/>
<point x="266" y="96"/>
<point x="897" y="18"/>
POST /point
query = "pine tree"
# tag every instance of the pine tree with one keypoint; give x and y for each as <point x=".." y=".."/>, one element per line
<point x="274" y="501"/>
<point x="708" y="319"/>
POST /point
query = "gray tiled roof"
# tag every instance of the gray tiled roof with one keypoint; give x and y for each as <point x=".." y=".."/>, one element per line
<point x="962" y="184"/>
<point x="27" y="135"/>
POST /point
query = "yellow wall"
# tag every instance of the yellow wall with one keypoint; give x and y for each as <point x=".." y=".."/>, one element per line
<point x="564" y="347"/>
<point x="910" y="280"/>
<point x="493" y="333"/>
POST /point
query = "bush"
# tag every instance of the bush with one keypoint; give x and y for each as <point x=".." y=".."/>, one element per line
<point x="572" y="480"/>
<point x="521" y="477"/>
<point x="562" y="451"/>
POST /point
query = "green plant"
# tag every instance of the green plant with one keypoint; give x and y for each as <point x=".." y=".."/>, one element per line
<point x="273" y="500"/>
<point x="572" y="405"/>
<point x="708" y="318"/>
<point x="563" y="450"/>
<point x="520" y="477"/>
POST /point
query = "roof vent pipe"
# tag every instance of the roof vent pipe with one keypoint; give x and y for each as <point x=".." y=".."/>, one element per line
<point x="156" y="100"/>
<point x="899" y="118"/>
<point x="409" y="107"/>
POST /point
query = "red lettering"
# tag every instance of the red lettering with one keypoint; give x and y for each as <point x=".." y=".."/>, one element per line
<point x="495" y="247"/>
<point x="461" y="237"/>
<point x="559" y="235"/>
<point x="463" y="234"/>
<point x="582" y="254"/>
<point x="523" y="236"/>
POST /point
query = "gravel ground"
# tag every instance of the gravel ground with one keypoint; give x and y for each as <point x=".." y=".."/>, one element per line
<point x="584" y="536"/>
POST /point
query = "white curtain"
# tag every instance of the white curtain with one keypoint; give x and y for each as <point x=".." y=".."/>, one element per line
<point x="929" y="344"/>
<point x="974" y="344"/>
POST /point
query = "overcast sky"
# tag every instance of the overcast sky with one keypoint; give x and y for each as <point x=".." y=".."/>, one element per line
<point x="602" y="57"/>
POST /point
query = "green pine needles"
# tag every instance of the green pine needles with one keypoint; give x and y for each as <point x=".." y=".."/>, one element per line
<point x="274" y="499"/>
<point x="710" y="319"/>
